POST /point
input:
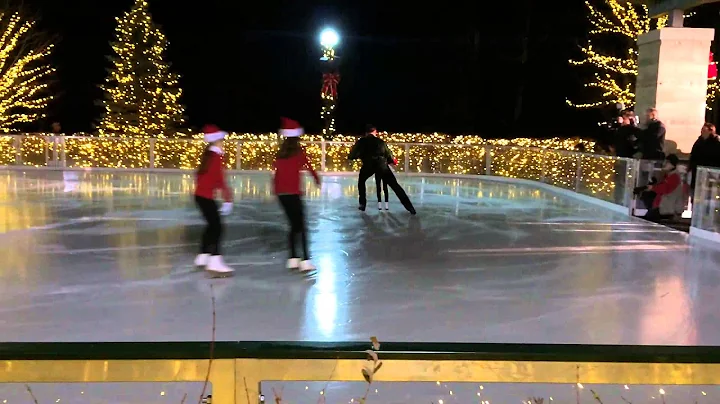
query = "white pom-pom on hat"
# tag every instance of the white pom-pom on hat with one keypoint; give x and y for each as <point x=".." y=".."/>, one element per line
<point x="290" y="128"/>
<point x="213" y="133"/>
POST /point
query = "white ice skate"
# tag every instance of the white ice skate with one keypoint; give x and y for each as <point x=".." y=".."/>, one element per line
<point x="307" y="268"/>
<point x="387" y="205"/>
<point x="202" y="260"/>
<point x="293" y="263"/>
<point x="379" y="205"/>
<point x="216" y="267"/>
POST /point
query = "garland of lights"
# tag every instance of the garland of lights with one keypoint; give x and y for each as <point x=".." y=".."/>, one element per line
<point x="140" y="102"/>
<point x="23" y="78"/>
<point x="616" y="74"/>
<point x="534" y="159"/>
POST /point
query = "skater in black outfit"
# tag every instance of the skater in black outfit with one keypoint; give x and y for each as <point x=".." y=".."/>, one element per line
<point x="375" y="155"/>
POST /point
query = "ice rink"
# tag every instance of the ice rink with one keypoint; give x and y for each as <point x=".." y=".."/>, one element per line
<point x="108" y="257"/>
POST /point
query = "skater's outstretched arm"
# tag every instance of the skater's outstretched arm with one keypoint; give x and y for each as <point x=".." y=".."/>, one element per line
<point x="308" y="166"/>
<point x="388" y="155"/>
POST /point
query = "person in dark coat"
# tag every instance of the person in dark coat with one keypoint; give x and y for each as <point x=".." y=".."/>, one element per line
<point x="624" y="144"/>
<point x="375" y="155"/>
<point x="626" y="136"/>
<point x="652" y="139"/>
<point x="705" y="152"/>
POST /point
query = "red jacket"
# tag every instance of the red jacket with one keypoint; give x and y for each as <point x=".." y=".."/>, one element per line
<point x="287" y="174"/>
<point x="213" y="178"/>
<point x="666" y="186"/>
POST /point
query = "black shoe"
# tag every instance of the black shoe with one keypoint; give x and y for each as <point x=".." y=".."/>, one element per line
<point x="362" y="208"/>
<point x="412" y="211"/>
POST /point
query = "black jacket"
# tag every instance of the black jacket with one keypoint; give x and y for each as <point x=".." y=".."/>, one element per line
<point x="371" y="151"/>
<point x="652" y="141"/>
<point x="625" y="140"/>
<point x="706" y="153"/>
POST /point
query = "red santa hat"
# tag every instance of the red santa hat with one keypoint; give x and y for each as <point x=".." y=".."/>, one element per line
<point x="213" y="133"/>
<point x="290" y="128"/>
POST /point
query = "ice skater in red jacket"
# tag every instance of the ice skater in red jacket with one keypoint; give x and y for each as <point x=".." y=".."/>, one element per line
<point x="210" y="178"/>
<point x="287" y="185"/>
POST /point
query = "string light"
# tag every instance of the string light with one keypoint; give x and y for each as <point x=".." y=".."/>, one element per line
<point x="141" y="95"/>
<point x="616" y="74"/>
<point x="24" y="78"/>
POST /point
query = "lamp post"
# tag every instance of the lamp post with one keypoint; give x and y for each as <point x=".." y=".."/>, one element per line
<point x="329" y="39"/>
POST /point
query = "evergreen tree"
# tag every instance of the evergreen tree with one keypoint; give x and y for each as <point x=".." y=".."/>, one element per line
<point x="141" y="94"/>
<point x="24" y="72"/>
<point x="617" y="24"/>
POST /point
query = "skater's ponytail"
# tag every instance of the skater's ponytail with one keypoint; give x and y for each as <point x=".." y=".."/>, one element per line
<point x="289" y="147"/>
<point x="204" y="160"/>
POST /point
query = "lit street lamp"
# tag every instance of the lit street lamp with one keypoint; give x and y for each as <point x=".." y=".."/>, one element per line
<point x="329" y="39"/>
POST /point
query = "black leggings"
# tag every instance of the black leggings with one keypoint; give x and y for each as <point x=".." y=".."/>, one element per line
<point x="381" y="186"/>
<point x="368" y="170"/>
<point x="213" y="231"/>
<point x="293" y="207"/>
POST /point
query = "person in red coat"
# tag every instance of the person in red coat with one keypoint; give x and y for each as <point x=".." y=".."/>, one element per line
<point x="210" y="178"/>
<point x="287" y="185"/>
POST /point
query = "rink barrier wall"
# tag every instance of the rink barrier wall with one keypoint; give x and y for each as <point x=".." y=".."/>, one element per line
<point x="583" y="173"/>
<point x="586" y="177"/>
<point x="354" y="350"/>
<point x="238" y="369"/>
<point x="706" y="205"/>
<point x="550" y="188"/>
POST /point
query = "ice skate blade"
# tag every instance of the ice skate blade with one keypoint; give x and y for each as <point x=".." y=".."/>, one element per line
<point x="310" y="275"/>
<point x="215" y="274"/>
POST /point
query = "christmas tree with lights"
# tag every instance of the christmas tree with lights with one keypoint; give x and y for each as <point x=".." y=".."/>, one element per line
<point x="618" y="24"/>
<point x="141" y="94"/>
<point x="24" y="72"/>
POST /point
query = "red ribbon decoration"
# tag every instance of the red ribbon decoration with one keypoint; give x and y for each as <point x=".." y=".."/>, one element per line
<point x="330" y="83"/>
<point x="712" y="68"/>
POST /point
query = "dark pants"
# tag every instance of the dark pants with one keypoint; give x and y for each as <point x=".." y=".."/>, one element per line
<point x="647" y="198"/>
<point x="213" y="231"/>
<point x="654" y="215"/>
<point x="388" y="178"/>
<point x="293" y="207"/>
<point x="381" y="186"/>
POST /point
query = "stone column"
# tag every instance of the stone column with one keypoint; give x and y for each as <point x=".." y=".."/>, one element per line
<point x="672" y="77"/>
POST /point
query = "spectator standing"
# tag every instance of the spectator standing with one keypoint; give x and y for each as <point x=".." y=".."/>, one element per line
<point x="652" y="138"/>
<point x="705" y="152"/>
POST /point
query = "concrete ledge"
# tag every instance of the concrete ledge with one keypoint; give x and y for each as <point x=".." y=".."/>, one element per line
<point x="677" y="34"/>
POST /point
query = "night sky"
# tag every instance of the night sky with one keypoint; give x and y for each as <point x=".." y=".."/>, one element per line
<point x="404" y="66"/>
